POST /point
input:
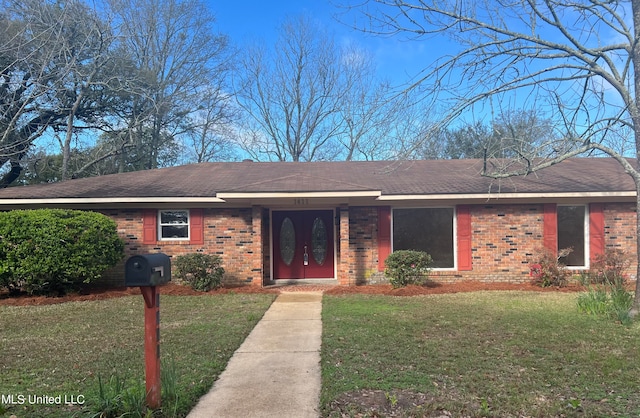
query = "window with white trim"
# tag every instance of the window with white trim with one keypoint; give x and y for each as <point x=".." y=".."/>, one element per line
<point x="426" y="229"/>
<point x="173" y="224"/>
<point x="572" y="233"/>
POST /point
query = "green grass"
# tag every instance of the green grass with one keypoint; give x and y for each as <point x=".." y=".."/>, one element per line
<point x="482" y="354"/>
<point x="63" y="349"/>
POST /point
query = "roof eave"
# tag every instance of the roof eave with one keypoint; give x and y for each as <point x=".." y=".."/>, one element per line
<point x="107" y="200"/>
<point x="511" y="196"/>
<point x="301" y="195"/>
<point x="374" y="195"/>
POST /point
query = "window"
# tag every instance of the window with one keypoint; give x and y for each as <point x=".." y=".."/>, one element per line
<point x="425" y="229"/>
<point x="571" y="234"/>
<point x="173" y="225"/>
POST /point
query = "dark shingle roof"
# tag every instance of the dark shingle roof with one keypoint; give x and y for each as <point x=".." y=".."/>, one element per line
<point x="428" y="177"/>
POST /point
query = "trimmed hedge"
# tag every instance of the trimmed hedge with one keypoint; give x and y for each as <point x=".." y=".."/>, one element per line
<point x="47" y="251"/>
<point x="405" y="267"/>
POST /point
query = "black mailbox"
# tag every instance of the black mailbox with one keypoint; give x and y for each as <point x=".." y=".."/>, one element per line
<point x="147" y="270"/>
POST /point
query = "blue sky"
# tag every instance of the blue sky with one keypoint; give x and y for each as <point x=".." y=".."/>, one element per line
<point x="247" y="20"/>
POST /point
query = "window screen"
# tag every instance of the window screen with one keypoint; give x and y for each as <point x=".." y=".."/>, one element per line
<point x="571" y="234"/>
<point x="425" y="229"/>
<point x="174" y="224"/>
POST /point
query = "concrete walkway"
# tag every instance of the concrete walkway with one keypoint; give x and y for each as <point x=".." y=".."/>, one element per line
<point x="276" y="371"/>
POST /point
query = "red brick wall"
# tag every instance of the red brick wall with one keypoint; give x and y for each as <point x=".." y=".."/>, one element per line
<point x="504" y="238"/>
<point x="360" y="261"/>
<point x="233" y="234"/>
<point x="345" y="265"/>
<point x="620" y="230"/>
<point x="507" y="238"/>
<point x="504" y="241"/>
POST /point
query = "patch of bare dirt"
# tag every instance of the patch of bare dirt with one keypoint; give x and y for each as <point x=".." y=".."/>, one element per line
<point x="378" y="289"/>
<point x="378" y="403"/>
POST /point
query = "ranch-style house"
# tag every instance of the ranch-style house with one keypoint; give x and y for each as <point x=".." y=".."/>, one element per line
<point x="336" y="222"/>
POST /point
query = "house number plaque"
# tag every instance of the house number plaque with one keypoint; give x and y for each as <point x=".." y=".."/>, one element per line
<point x="301" y="201"/>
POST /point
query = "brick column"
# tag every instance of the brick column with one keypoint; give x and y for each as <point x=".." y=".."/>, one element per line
<point x="256" y="246"/>
<point x="345" y="272"/>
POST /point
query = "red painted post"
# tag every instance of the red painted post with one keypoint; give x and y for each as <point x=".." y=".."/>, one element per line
<point x="152" y="344"/>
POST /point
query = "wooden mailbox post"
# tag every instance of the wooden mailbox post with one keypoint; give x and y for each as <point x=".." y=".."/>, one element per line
<point x="147" y="272"/>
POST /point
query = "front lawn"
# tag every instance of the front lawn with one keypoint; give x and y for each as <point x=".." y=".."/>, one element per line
<point x="494" y="354"/>
<point x="55" y="353"/>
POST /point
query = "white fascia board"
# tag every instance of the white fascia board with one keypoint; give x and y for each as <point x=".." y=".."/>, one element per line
<point x="504" y="196"/>
<point x="309" y="195"/>
<point x="102" y="200"/>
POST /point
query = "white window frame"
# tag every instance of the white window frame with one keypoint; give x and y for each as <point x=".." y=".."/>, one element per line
<point x="585" y="230"/>
<point x="455" y="233"/>
<point x="187" y="224"/>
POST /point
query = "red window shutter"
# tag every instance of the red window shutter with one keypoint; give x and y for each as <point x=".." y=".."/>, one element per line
<point x="196" y="226"/>
<point x="596" y="229"/>
<point x="384" y="235"/>
<point x="550" y="227"/>
<point x="149" y="226"/>
<point x="464" y="238"/>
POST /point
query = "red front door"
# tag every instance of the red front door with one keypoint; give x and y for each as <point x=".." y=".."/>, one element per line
<point x="303" y="244"/>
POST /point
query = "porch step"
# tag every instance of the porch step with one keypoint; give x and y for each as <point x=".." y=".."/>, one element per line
<point x="302" y="282"/>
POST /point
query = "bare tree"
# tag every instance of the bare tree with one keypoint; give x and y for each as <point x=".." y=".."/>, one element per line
<point x="61" y="75"/>
<point x="579" y="59"/>
<point x="310" y="99"/>
<point x="378" y="121"/>
<point x="292" y="96"/>
<point x="177" y="53"/>
<point x="39" y="42"/>
<point x="211" y="133"/>
<point x="91" y="87"/>
<point x="133" y="71"/>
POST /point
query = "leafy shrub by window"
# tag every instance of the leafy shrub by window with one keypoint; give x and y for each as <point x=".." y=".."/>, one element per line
<point x="609" y="268"/>
<point x="48" y="251"/>
<point x="405" y="267"/>
<point x="202" y="272"/>
<point x="547" y="270"/>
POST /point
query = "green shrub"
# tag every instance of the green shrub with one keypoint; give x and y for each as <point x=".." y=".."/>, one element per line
<point x="202" y="272"/>
<point x="547" y="270"/>
<point x="405" y="267"/>
<point x="47" y="251"/>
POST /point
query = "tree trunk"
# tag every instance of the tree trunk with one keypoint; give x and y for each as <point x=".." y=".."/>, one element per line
<point x="66" y="148"/>
<point x="635" y="308"/>
<point x="11" y="175"/>
<point x="635" y="117"/>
